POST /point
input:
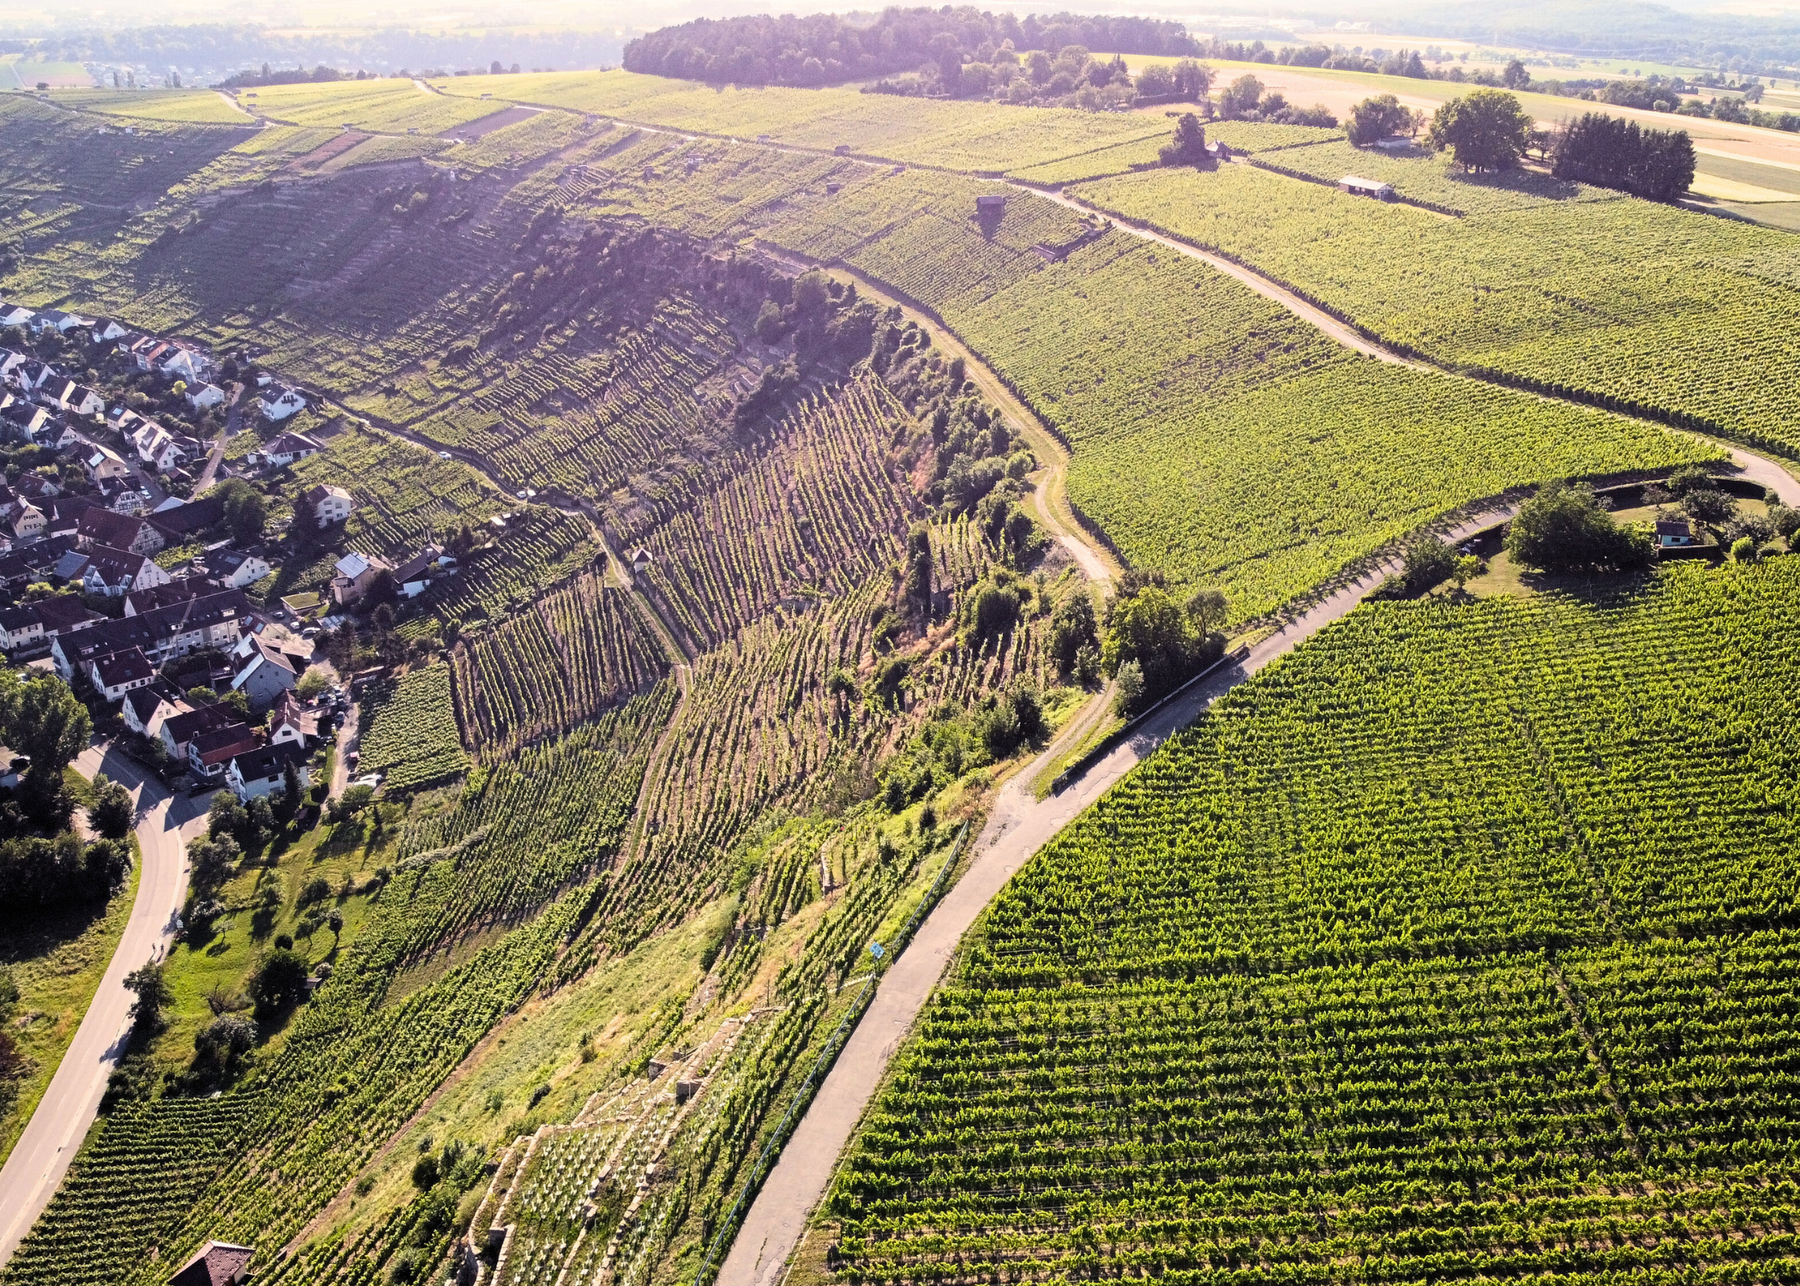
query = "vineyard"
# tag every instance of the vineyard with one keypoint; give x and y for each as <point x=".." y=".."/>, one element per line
<point x="392" y="106"/>
<point x="409" y="735"/>
<point x="199" y="106"/>
<point x="1461" y="942"/>
<point x="809" y="515"/>
<point x="1602" y="297"/>
<point x="563" y="660"/>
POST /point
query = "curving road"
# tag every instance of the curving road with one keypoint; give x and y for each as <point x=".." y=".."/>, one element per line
<point x="36" y="1166"/>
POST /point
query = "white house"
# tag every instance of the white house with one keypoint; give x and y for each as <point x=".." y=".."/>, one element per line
<point x="184" y="364"/>
<point x="56" y="319"/>
<point x="20" y="627"/>
<point x="15" y="315"/>
<point x="287" y="449"/>
<point x="202" y="395"/>
<point x="263" y="771"/>
<point x="265" y="671"/>
<point x="278" y="401"/>
<point x="106" y="329"/>
<point x="104" y="464"/>
<point x="80" y="399"/>
<point x="28" y="522"/>
<point x="235" y="569"/>
<point x="329" y="504"/>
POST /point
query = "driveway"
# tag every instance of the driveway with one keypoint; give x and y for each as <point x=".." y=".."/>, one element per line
<point x="36" y="1166"/>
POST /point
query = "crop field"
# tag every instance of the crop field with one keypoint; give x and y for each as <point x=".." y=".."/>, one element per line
<point x="986" y="139"/>
<point x="1433" y="180"/>
<point x="568" y="656"/>
<point x="1612" y="299"/>
<point x="393" y="106"/>
<point x="199" y="106"/>
<point x="1487" y="900"/>
<point x="410" y="734"/>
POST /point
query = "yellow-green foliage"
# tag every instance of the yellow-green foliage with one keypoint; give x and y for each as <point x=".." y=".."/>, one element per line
<point x="385" y="106"/>
<point x="409" y="731"/>
<point x="1609" y="295"/>
<point x="198" y="106"/>
<point x="968" y="136"/>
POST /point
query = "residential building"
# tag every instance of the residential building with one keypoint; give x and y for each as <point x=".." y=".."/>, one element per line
<point x="355" y="574"/>
<point x="180" y="523"/>
<point x="15" y="315"/>
<point x="97" y="526"/>
<point x="65" y="614"/>
<point x="146" y="709"/>
<point x="117" y="572"/>
<point x="184" y="364"/>
<point x="105" y="330"/>
<point x="289" y="721"/>
<point x="264" y="771"/>
<point x="413" y="577"/>
<point x="235" y="569"/>
<point x="209" y="753"/>
<point x="289" y="448"/>
<point x="278" y="401"/>
<point x="1673" y="533"/>
<point x="103" y="465"/>
<point x="202" y="395"/>
<point x="79" y="399"/>
<point x="117" y="673"/>
<point x="265" y="670"/>
<point x="28" y="522"/>
<point x="179" y="730"/>
<point x="21" y="628"/>
<point x="329" y="504"/>
<point x="56" y="319"/>
<point x="212" y="620"/>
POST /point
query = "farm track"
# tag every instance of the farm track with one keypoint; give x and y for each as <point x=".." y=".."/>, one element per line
<point x="1017" y="827"/>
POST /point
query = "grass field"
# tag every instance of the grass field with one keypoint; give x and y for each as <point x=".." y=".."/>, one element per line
<point x="57" y="961"/>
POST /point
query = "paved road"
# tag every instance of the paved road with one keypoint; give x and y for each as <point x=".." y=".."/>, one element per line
<point x="35" y="1168"/>
<point x="1018" y="826"/>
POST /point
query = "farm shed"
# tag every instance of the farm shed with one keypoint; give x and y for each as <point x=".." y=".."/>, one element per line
<point x="1366" y="187"/>
<point x="991" y="204"/>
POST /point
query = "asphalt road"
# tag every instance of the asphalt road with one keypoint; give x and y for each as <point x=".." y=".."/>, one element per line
<point x="35" y="1169"/>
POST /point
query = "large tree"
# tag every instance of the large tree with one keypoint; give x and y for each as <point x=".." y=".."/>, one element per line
<point x="1484" y="130"/>
<point x="41" y="718"/>
<point x="1563" y="528"/>
<point x="1376" y="118"/>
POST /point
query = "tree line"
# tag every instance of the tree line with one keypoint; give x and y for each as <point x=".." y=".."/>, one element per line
<point x="822" y="49"/>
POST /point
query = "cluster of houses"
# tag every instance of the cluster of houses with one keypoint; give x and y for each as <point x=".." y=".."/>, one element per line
<point x="127" y="661"/>
<point x="41" y="399"/>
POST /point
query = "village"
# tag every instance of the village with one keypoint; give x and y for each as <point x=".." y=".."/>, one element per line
<point x="132" y="565"/>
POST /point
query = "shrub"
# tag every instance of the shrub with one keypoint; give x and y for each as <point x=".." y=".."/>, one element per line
<point x="280" y="981"/>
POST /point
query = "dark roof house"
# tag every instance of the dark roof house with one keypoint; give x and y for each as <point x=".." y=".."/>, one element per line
<point x="218" y="1263"/>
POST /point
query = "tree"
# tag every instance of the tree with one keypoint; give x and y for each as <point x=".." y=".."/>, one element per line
<point x="1128" y="685"/>
<point x="1707" y="505"/>
<point x="1376" y="118"/>
<point x="1428" y="562"/>
<point x="918" y="570"/>
<point x="1189" y="147"/>
<point x="43" y="719"/>
<point x="1563" y="528"/>
<point x="1206" y="608"/>
<point x="1743" y="550"/>
<point x="279" y="982"/>
<point x="146" y="982"/>
<point x="1484" y="130"/>
<point x="1150" y="629"/>
<point x="224" y="1041"/>
<point x="1657" y="165"/>
<point x="311" y="683"/>
<point x="112" y="812"/>
<point x="1467" y="568"/>
<point x="811" y="293"/>
<point x="1240" y="97"/>
<point x="290" y="789"/>
<point x="211" y="862"/>
<point x="1073" y="629"/>
<point x="1515" y="76"/>
<point x="246" y="511"/>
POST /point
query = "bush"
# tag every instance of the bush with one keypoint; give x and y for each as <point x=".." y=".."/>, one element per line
<point x="279" y="982"/>
<point x="1429" y="561"/>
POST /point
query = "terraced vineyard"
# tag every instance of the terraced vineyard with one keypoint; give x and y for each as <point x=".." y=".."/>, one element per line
<point x="392" y="106"/>
<point x="1460" y="942"/>
<point x="812" y="515"/>
<point x="568" y="656"/>
<point x="409" y="730"/>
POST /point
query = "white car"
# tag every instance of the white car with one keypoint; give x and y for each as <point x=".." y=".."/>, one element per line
<point x="443" y="455"/>
<point x="372" y="780"/>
